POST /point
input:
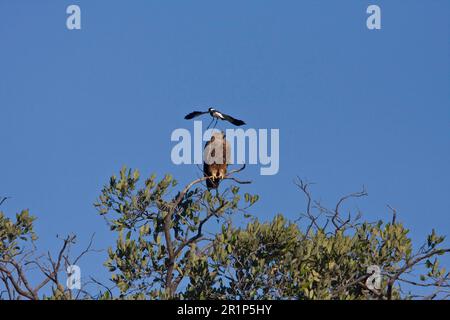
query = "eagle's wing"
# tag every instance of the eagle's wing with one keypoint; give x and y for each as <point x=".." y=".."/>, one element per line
<point x="208" y="153"/>
<point x="227" y="152"/>
<point x="208" y="168"/>
<point x="194" y="114"/>
<point x="234" y="121"/>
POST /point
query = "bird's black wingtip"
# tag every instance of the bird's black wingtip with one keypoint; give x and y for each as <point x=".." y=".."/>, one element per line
<point x="194" y="114"/>
<point x="190" y="116"/>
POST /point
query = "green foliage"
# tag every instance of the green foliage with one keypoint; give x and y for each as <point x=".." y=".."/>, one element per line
<point x="160" y="231"/>
<point x="14" y="233"/>
<point x="276" y="260"/>
<point x="161" y="244"/>
<point x="183" y="243"/>
<point x="18" y="258"/>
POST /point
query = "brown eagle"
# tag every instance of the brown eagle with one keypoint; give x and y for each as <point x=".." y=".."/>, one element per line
<point x="216" y="158"/>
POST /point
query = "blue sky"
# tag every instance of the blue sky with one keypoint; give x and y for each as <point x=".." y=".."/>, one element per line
<point x="354" y="107"/>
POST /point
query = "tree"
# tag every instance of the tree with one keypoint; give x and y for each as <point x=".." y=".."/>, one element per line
<point x="161" y="238"/>
<point x="327" y="257"/>
<point x="19" y="258"/>
<point x="183" y="243"/>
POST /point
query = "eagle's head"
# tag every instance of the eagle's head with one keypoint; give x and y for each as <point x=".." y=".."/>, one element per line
<point x="217" y="136"/>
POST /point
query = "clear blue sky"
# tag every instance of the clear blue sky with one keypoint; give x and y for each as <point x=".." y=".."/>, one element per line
<point x="354" y="107"/>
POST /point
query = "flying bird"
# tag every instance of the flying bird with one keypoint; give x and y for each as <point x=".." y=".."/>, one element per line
<point x="216" y="159"/>
<point x="216" y="115"/>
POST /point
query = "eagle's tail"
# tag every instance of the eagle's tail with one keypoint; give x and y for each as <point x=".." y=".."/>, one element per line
<point x="212" y="183"/>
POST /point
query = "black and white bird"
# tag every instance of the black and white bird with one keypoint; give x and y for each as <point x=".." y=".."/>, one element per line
<point x="216" y="115"/>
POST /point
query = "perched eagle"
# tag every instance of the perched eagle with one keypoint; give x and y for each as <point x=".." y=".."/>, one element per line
<point x="216" y="158"/>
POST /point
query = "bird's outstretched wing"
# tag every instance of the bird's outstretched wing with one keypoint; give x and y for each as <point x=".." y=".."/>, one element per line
<point x="194" y="114"/>
<point x="234" y="121"/>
